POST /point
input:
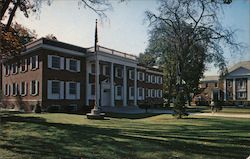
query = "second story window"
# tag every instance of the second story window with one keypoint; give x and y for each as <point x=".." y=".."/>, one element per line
<point x="56" y="62"/>
<point x="148" y="78"/>
<point x="7" y="69"/>
<point x="141" y="76"/>
<point x="131" y="74"/>
<point x="23" y="65"/>
<point x="14" y="68"/>
<point x="92" y="68"/>
<point x="33" y="62"/>
<point x="118" y="72"/>
<point x="73" y="65"/>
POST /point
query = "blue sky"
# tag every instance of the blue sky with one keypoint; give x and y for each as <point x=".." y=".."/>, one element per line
<point x="125" y="29"/>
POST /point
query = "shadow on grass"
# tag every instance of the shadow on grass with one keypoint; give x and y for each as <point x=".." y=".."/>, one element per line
<point x="130" y="116"/>
<point x="41" y="139"/>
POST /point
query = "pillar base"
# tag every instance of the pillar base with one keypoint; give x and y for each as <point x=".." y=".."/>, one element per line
<point x="96" y="114"/>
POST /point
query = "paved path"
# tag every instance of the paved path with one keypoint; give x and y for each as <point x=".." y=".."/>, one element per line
<point x="231" y="115"/>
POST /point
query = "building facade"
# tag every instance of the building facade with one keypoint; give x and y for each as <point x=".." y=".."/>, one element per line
<point x="62" y="77"/>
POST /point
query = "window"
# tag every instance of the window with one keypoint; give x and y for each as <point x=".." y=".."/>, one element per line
<point x="55" y="87"/>
<point x="152" y="93"/>
<point x="23" y="88"/>
<point x="73" y="65"/>
<point x="72" y="88"/>
<point x="92" y="68"/>
<point x="118" y="72"/>
<point x="56" y="62"/>
<point x="7" y="69"/>
<point x="153" y="78"/>
<point x="131" y="93"/>
<point x="14" y="89"/>
<point x="148" y="92"/>
<point x="23" y="65"/>
<point x="34" y="87"/>
<point x="140" y="76"/>
<point x="206" y="85"/>
<point x="159" y="80"/>
<point x="118" y="92"/>
<point x="159" y="93"/>
<point x="92" y="89"/>
<point x="33" y="62"/>
<point x="140" y="93"/>
<point x="131" y="74"/>
<point x="14" y="68"/>
<point x="148" y="78"/>
<point x="6" y="89"/>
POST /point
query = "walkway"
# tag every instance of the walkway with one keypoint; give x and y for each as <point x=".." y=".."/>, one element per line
<point x="229" y="115"/>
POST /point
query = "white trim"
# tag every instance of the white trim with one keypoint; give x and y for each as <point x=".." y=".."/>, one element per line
<point x="131" y="74"/>
<point x="25" y="65"/>
<point x="36" y="88"/>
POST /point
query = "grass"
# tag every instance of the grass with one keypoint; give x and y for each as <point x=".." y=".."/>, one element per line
<point x="227" y="110"/>
<point x="147" y="136"/>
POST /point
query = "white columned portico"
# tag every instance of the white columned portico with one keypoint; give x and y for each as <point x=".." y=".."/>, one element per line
<point x="135" y="87"/>
<point x="248" y="89"/>
<point x="124" y="86"/>
<point x="112" y="101"/>
<point x="234" y="90"/>
<point x="225" y="89"/>
<point x="97" y="83"/>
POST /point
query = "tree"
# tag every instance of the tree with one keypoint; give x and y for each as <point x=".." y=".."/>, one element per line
<point x="12" y="41"/>
<point x="187" y="34"/>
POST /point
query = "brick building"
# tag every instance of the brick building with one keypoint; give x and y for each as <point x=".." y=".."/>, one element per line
<point x="61" y="77"/>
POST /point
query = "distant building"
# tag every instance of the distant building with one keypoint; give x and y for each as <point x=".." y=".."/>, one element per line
<point x="233" y="89"/>
<point x="237" y="84"/>
<point x="60" y="77"/>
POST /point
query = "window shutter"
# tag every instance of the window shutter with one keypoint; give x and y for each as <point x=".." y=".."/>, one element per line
<point x="26" y="64"/>
<point x="61" y="89"/>
<point x="78" y="90"/>
<point x="37" y="62"/>
<point x="5" y="90"/>
<point x="49" y="89"/>
<point x="26" y="87"/>
<point x="78" y="66"/>
<point x="8" y="91"/>
<point x="49" y="61"/>
<point x="37" y="87"/>
<point x="62" y="63"/>
<point x="142" y="93"/>
<point x="67" y="64"/>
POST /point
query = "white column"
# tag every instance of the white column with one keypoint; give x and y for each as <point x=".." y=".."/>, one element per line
<point x="112" y="101"/>
<point x="97" y="97"/>
<point x="248" y="89"/>
<point x="87" y="93"/>
<point x="124" y="86"/>
<point x="234" y="90"/>
<point x="225" y="89"/>
<point x="135" y="88"/>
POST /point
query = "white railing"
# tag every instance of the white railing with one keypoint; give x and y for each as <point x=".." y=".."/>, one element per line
<point x="114" y="52"/>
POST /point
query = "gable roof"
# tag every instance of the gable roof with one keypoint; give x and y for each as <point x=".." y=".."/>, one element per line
<point x="243" y="64"/>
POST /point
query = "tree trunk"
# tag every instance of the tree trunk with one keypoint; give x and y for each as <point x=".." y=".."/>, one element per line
<point x="12" y="14"/>
<point x="4" y="7"/>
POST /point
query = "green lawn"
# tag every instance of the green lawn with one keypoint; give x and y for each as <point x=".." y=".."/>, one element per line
<point x="229" y="110"/>
<point x="126" y="137"/>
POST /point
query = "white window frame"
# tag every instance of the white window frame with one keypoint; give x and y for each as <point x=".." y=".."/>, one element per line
<point x="6" y="90"/>
<point x="25" y="88"/>
<point x="153" y="79"/>
<point x="36" y="88"/>
<point x="61" y="62"/>
<point x="36" y="66"/>
<point x="118" y="97"/>
<point x="131" y="73"/>
<point x="7" y="67"/>
<point x="141" y="74"/>
<point x="104" y="68"/>
<point x="51" y="95"/>
<point x="148" y="78"/>
<point x="78" y="68"/>
<point x="131" y="97"/>
<point x="25" y="63"/>
<point x="72" y="96"/>
<point x="160" y="79"/>
<point x="152" y="93"/>
<point x="16" y="68"/>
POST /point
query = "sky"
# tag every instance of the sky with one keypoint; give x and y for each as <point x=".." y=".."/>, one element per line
<point x="125" y="29"/>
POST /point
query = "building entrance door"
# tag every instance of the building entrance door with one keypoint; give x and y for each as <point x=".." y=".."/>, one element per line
<point x="106" y="97"/>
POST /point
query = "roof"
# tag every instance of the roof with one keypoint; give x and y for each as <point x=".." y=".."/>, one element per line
<point x="210" y="79"/>
<point x="56" y="44"/>
<point x="244" y="64"/>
